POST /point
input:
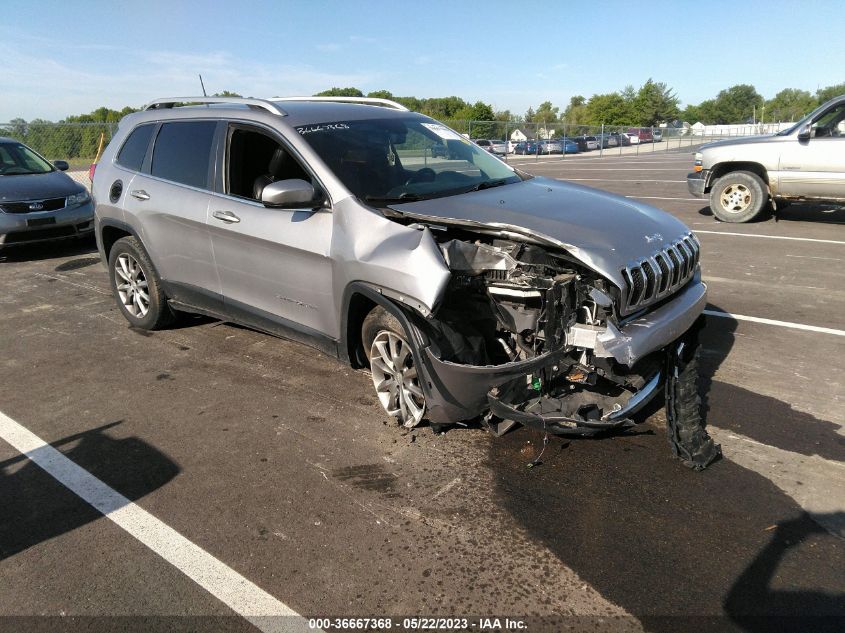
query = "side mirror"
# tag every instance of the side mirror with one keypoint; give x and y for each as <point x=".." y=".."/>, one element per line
<point x="805" y="132"/>
<point x="293" y="193"/>
<point x="61" y="165"/>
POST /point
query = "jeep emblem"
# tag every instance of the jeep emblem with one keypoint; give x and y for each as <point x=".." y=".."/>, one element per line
<point x="657" y="237"/>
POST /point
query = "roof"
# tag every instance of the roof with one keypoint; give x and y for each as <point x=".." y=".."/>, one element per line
<point x="295" y="110"/>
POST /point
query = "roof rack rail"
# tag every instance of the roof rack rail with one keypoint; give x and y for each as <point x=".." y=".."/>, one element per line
<point x="170" y="102"/>
<point x="365" y="100"/>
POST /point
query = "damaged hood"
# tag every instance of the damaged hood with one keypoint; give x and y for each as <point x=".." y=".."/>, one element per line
<point x="604" y="231"/>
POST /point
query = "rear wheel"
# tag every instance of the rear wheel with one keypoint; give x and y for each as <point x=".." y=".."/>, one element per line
<point x="739" y="196"/>
<point x="137" y="287"/>
<point x="393" y="368"/>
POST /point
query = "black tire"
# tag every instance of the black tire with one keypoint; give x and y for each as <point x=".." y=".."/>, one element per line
<point x="158" y="314"/>
<point x="686" y="428"/>
<point x="738" y="196"/>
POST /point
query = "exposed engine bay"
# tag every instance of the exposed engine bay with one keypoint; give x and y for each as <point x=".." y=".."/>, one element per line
<point x="510" y="301"/>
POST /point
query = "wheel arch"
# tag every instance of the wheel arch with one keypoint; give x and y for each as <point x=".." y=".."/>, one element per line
<point x="112" y="230"/>
<point x="720" y="169"/>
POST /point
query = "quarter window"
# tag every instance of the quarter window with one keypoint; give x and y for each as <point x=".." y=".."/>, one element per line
<point x="132" y="153"/>
<point x="183" y="151"/>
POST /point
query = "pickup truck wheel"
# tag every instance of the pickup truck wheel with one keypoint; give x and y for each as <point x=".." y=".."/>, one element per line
<point x="738" y="196"/>
<point x="393" y="369"/>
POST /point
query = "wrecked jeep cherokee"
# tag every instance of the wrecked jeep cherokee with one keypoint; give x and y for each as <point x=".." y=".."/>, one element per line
<point x="470" y="289"/>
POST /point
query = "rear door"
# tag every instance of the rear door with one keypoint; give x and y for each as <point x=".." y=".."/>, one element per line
<point x="168" y="203"/>
<point x="273" y="264"/>
<point x="815" y="167"/>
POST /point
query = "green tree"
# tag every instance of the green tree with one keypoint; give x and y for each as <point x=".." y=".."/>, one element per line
<point x="547" y="113"/>
<point x="340" y="92"/>
<point x="380" y="94"/>
<point x="736" y="104"/>
<point x="576" y="112"/>
<point x="227" y="93"/>
<point x="826" y="94"/>
<point x="608" y="109"/>
<point x="654" y="103"/>
<point x="790" y="104"/>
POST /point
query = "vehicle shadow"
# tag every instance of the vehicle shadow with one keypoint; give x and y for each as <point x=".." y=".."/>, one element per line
<point x="49" y="250"/>
<point x="795" y="212"/>
<point x="36" y="507"/>
<point x="678" y="549"/>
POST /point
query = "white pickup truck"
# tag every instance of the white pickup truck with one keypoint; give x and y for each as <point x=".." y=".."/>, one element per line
<point x="744" y="177"/>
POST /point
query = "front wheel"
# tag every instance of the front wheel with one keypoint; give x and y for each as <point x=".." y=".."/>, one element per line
<point x="393" y="368"/>
<point x="738" y="196"/>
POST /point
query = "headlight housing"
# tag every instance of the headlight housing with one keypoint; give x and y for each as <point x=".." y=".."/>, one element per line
<point x="698" y="160"/>
<point x="77" y="199"/>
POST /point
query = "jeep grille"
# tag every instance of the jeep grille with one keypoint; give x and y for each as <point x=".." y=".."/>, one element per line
<point x="652" y="278"/>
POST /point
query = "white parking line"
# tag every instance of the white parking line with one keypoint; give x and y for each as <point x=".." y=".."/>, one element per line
<point x="661" y="198"/>
<point x="620" y="168"/>
<point x="239" y="594"/>
<point x="769" y="237"/>
<point x="786" y="324"/>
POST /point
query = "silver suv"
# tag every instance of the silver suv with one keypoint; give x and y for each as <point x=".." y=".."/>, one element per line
<point x="805" y="162"/>
<point x="469" y="289"/>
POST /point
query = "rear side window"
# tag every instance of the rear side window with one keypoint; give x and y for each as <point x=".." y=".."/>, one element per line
<point x="134" y="149"/>
<point x="182" y="152"/>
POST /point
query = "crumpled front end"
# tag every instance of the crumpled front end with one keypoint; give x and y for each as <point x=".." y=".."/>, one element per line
<point x="526" y="334"/>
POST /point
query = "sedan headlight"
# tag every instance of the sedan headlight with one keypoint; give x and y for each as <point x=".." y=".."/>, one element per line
<point x="77" y="199"/>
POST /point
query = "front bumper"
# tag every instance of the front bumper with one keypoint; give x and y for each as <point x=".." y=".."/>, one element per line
<point x="460" y="392"/>
<point x="42" y="226"/>
<point x="697" y="183"/>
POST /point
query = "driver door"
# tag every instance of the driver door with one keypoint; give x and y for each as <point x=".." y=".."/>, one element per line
<point x="273" y="264"/>
<point x="815" y="167"/>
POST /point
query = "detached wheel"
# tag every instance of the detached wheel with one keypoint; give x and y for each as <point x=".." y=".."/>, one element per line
<point x="137" y="287"/>
<point x="392" y="365"/>
<point x="739" y="196"/>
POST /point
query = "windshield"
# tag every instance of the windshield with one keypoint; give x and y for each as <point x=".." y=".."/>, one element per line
<point x="415" y="158"/>
<point x="17" y="159"/>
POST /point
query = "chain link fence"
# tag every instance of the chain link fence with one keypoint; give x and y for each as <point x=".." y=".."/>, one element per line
<point x="544" y="139"/>
<point x="78" y="143"/>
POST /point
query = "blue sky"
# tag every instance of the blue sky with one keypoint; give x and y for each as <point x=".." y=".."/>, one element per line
<point x="59" y="58"/>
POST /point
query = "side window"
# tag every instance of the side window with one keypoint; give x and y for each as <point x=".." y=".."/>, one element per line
<point x="254" y="160"/>
<point x="182" y="152"/>
<point x="134" y="150"/>
<point x="830" y="123"/>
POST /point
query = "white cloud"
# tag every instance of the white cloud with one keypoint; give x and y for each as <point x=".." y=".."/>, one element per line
<point x="43" y="87"/>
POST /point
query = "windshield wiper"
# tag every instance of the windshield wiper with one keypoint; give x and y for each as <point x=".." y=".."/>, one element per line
<point x="487" y="184"/>
<point x="405" y="197"/>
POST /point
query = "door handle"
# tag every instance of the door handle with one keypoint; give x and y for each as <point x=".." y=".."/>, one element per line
<point x="226" y="216"/>
<point x="140" y="194"/>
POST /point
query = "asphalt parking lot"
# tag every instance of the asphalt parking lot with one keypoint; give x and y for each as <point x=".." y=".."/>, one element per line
<point x="257" y="477"/>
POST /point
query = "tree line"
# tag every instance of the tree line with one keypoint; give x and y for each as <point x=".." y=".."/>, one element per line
<point x="651" y="104"/>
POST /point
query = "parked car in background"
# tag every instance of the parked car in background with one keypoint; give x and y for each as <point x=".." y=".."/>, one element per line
<point x="585" y="143"/>
<point x="570" y="146"/>
<point x="37" y="201"/>
<point x="499" y="147"/>
<point x="603" y="141"/>
<point x="657" y="134"/>
<point x="551" y="146"/>
<point x="621" y="139"/>
<point x="484" y="144"/>
<point x="804" y="162"/>
<point x="642" y="134"/>
<point x="526" y="147"/>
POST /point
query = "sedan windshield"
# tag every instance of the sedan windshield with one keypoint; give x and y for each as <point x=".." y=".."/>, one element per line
<point x="18" y="159"/>
<point x="399" y="160"/>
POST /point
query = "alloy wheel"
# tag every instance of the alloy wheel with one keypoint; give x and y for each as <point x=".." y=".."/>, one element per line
<point x="395" y="378"/>
<point x="131" y="284"/>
